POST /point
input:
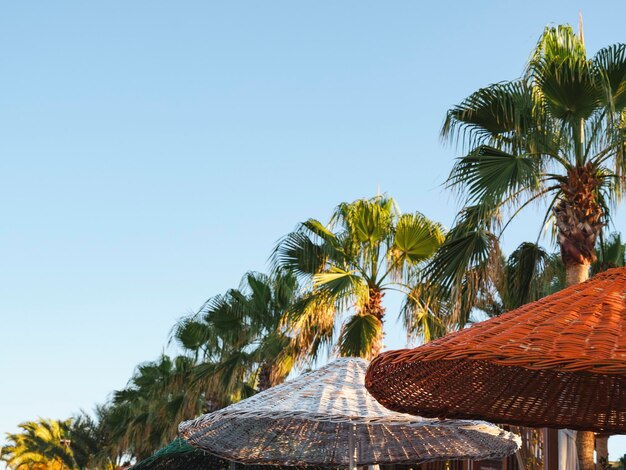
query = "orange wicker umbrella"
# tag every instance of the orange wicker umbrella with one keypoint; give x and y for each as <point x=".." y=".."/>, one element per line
<point x="559" y="362"/>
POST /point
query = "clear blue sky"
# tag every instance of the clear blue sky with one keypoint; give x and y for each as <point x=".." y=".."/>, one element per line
<point x="152" y="152"/>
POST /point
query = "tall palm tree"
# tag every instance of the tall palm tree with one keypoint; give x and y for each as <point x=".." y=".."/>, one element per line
<point x="531" y="273"/>
<point x="557" y="135"/>
<point x="367" y="249"/>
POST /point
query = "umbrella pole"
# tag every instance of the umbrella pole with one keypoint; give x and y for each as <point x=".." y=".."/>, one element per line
<point x="233" y="465"/>
<point x="351" y="448"/>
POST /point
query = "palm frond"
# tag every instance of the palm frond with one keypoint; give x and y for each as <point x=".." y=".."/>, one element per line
<point x="488" y="176"/>
<point x="468" y="245"/>
<point x="491" y="114"/>
<point x="523" y="270"/>
<point x="610" y="71"/>
<point x="424" y="314"/>
<point x="415" y="240"/>
<point x="310" y="323"/>
<point x="359" y="335"/>
<point x="297" y="252"/>
<point x="566" y="81"/>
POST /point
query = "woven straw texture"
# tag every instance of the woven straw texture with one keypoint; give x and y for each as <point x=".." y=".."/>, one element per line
<point x="308" y="421"/>
<point x="559" y="362"/>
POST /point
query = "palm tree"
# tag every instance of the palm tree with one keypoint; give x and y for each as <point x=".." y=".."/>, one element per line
<point x="557" y="135"/>
<point x="610" y="253"/>
<point x="89" y="442"/>
<point x="234" y="346"/>
<point x="144" y="416"/>
<point x="45" y="445"/>
<point x="367" y="248"/>
<point x="531" y="273"/>
<point x="528" y="274"/>
<point x="239" y="338"/>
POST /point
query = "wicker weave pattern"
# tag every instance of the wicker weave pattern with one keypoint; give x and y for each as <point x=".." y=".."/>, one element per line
<point x="307" y="421"/>
<point x="558" y="362"/>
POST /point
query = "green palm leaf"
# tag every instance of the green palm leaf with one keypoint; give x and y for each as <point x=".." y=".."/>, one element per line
<point x="488" y="175"/>
<point x="492" y="114"/>
<point x="423" y="316"/>
<point x="368" y="221"/>
<point x="416" y="238"/>
<point x="297" y="252"/>
<point x="523" y="271"/>
<point x="358" y="335"/>
<point x="611" y="74"/>
<point x="336" y="281"/>
<point x="564" y="75"/>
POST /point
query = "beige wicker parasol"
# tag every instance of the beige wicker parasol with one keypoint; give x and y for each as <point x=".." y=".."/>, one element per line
<point x="327" y="417"/>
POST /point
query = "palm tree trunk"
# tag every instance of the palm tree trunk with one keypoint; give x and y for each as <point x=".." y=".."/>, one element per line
<point x="585" y="440"/>
<point x="265" y="377"/>
<point x="377" y="346"/>
<point x="576" y="274"/>
<point x="602" y="451"/>
<point x="375" y="307"/>
<point x="579" y="220"/>
<point x="585" y="444"/>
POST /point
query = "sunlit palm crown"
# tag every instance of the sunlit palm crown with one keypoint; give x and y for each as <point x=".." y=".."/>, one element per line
<point x="556" y="135"/>
<point x="51" y="445"/>
<point x="367" y="248"/>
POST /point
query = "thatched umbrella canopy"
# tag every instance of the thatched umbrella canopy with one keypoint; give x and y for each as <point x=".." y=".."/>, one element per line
<point x="559" y="362"/>
<point x="327" y="418"/>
